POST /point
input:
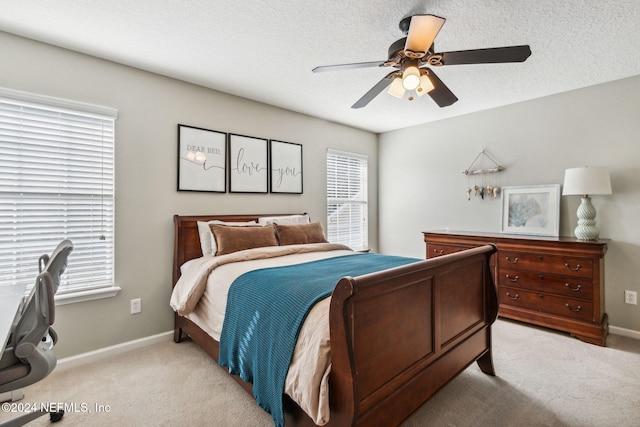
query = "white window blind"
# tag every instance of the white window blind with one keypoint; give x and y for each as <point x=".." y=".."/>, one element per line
<point x="56" y="182"/>
<point x="347" y="211"/>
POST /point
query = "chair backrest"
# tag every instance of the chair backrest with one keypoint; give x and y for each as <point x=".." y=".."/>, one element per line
<point x="38" y="313"/>
<point x="56" y="264"/>
<point x="29" y="358"/>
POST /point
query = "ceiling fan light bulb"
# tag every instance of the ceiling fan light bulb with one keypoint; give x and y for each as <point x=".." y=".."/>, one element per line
<point x="425" y="85"/>
<point x="411" y="78"/>
<point x="396" y="88"/>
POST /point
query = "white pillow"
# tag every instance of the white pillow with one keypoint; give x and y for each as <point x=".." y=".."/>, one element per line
<point x="287" y="219"/>
<point x="207" y="241"/>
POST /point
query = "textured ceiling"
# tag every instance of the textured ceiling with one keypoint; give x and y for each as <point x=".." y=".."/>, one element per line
<point x="265" y="49"/>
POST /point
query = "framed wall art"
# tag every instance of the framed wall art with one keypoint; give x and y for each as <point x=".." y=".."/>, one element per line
<point x="286" y="167"/>
<point x="248" y="164"/>
<point x="531" y="210"/>
<point x="202" y="157"/>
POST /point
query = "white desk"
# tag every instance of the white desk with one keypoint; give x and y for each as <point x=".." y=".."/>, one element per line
<point x="11" y="297"/>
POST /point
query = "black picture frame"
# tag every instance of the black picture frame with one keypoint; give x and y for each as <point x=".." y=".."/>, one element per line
<point x="202" y="164"/>
<point x="286" y="174"/>
<point x="248" y="164"/>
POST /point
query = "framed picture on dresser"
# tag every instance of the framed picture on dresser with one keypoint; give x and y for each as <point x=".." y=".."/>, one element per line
<point x="531" y="210"/>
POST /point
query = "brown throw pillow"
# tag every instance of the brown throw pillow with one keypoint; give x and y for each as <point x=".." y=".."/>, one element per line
<point x="295" y="234"/>
<point x="234" y="239"/>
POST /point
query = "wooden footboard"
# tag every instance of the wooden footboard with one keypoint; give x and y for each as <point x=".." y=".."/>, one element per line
<point x="397" y="336"/>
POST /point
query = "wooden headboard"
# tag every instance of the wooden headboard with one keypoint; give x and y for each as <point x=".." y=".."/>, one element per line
<point x="186" y="243"/>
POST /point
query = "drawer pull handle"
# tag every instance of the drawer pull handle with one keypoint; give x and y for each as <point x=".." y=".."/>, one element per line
<point x="578" y="267"/>
<point x="438" y="251"/>
<point x="574" y="310"/>
<point x="510" y="261"/>
<point x="512" y="279"/>
<point x="513" y="298"/>
<point x="576" y="289"/>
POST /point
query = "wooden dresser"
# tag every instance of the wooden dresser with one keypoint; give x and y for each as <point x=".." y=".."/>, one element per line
<point x="555" y="282"/>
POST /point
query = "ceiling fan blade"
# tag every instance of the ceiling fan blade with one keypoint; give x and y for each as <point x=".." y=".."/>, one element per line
<point x="423" y="30"/>
<point x="374" y="91"/>
<point x="485" y="56"/>
<point x="353" y="66"/>
<point x="440" y="93"/>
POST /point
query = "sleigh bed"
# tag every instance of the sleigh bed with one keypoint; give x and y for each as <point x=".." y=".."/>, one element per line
<point x="396" y="336"/>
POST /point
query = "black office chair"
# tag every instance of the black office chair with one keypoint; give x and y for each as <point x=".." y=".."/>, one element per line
<point x="28" y="356"/>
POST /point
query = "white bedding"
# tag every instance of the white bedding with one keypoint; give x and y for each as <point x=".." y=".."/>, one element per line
<point x="201" y="296"/>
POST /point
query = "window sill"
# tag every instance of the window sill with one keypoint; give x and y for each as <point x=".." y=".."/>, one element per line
<point x="81" y="296"/>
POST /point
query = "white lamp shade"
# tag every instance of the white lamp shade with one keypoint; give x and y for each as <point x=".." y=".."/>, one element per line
<point x="396" y="89"/>
<point x="425" y="85"/>
<point x="411" y="78"/>
<point x="586" y="181"/>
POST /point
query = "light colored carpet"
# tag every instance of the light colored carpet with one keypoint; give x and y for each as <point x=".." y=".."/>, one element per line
<point x="543" y="378"/>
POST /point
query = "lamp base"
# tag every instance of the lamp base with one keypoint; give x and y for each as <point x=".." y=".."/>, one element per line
<point x="586" y="229"/>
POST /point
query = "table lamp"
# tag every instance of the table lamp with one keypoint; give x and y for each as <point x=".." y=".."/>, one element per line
<point x="583" y="182"/>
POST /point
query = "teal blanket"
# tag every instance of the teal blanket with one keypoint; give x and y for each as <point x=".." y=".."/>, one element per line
<point x="265" y="310"/>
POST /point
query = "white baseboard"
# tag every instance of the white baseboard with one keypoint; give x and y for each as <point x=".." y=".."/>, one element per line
<point x="615" y="330"/>
<point x="103" y="353"/>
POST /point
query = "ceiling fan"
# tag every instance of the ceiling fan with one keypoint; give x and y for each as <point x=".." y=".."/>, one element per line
<point x="413" y="55"/>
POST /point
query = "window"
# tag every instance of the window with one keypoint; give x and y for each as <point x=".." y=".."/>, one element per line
<point x="347" y="199"/>
<point x="56" y="182"/>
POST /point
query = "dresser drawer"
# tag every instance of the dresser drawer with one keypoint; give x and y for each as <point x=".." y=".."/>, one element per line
<point x="566" y="266"/>
<point x="546" y="303"/>
<point x="434" y="250"/>
<point x="547" y="283"/>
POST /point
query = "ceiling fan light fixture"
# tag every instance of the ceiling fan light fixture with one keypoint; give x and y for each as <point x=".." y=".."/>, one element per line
<point x="396" y="89"/>
<point x="425" y="85"/>
<point x="411" y="77"/>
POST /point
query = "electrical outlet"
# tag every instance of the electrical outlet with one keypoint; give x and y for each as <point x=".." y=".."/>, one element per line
<point x="136" y="306"/>
<point x="631" y="297"/>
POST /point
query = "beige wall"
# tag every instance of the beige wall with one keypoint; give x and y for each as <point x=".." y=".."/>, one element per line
<point x="422" y="188"/>
<point x="150" y="107"/>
